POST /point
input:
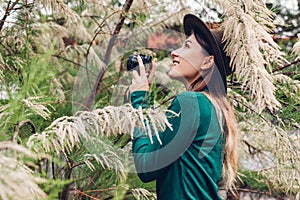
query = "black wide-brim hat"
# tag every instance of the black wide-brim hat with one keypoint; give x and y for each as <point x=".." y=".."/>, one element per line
<point x="213" y="37"/>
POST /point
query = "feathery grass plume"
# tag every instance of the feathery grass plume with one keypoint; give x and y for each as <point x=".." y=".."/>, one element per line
<point x="64" y="133"/>
<point x="107" y="155"/>
<point x="292" y="85"/>
<point x="78" y="52"/>
<point x="60" y="136"/>
<point x="278" y="156"/>
<point x="5" y="114"/>
<point x="141" y="194"/>
<point x="91" y="129"/>
<point x="80" y="32"/>
<point x="14" y="41"/>
<point x="7" y="145"/>
<point x="58" y="7"/>
<point x="247" y="26"/>
<point x="176" y="11"/>
<point x="49" y="34"/>
<point x="56" y="89"/>
<point x="16" y="179"/>
<point x="296" y="48"/>
<point x="239" y="101"/>
<point x="33" y="104"/>
<point x="107" y="159"/>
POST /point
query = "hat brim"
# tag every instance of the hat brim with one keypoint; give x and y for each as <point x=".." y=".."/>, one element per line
<point x="192" y="24"/>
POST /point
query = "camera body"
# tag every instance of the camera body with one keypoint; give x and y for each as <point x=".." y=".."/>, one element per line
<point x="133" y="64"/>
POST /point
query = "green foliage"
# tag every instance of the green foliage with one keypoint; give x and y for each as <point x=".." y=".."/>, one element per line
<point x="135" y="182"/>
<point x="252" y="180"/>
<point x="290" y="111"/>
<point x="53" y="187"/>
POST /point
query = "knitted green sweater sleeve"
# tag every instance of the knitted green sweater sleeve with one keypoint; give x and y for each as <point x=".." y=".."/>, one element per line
<point x="151" y="159"/>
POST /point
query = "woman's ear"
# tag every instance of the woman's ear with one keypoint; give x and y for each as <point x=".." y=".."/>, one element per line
<point x="208" y="62"/>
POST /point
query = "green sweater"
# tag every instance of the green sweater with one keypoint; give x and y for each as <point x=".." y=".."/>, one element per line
<point x="188" y="164"/>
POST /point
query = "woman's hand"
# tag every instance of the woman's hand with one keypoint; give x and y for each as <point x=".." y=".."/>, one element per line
<point x="141" y="82"/>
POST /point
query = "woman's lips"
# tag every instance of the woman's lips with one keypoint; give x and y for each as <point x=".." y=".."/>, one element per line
<point x="175" y="62"/>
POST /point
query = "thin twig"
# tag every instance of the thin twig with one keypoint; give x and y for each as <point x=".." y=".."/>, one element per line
<point x="94" y="179"/>
<point x="251" y="148"/>
<point x="254" y="150"/>
<point x="19" y="125"/>
<point x="98" y="30"/>
<point x="9" y="22"/>
<point x="86" y="195"/>
<point x="102" y="190"/>
<point x="252" y="110"/>
<point x="73" y="62"/>
<point x="82" y="163"/>
<point x="149" y="25"/>
<point x="68" y="60"/>
<point x="7" y="12"/>
<point x="286" y="66"/>
<point x="65" y="191"/>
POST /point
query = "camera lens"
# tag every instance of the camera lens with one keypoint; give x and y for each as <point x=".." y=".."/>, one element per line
<point x="132" y="62"/>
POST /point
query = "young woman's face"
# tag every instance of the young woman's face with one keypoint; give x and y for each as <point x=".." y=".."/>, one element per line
<point x="188" y="61"/>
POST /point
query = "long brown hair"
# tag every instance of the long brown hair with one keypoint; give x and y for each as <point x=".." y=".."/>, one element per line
<point x="217" y="95"/>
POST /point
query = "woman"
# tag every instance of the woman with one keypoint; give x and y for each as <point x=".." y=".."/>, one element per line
<point x="189" y="161"/>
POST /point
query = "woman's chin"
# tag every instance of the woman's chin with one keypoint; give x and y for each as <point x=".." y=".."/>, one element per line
<point x="173" y="74"/>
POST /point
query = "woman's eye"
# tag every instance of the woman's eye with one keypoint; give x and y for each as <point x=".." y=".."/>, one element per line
<point x="186" y="45"/>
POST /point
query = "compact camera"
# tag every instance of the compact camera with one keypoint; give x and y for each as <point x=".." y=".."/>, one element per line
<point x="133" y="64"/>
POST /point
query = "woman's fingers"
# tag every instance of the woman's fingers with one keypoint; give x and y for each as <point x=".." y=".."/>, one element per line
<point x="140" y="81"/>
<point x="142" y="67"/>
<point x="135" y="75"/>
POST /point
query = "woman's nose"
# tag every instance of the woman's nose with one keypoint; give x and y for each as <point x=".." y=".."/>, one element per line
<point x="174" y="53"/>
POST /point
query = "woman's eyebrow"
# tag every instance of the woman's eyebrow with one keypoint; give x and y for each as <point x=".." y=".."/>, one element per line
<point x="187" y="41"/>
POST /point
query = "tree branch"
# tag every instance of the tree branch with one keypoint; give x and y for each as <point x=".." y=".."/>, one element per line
<point x="73" y="62"/>
<point x="7" y="13"/>
<point x="111" y="43"/>
<point x="251" y="148"/>
<point x="286" y="66"/>
<point x="252" y="110"/>
<point x="81" y="193"/>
